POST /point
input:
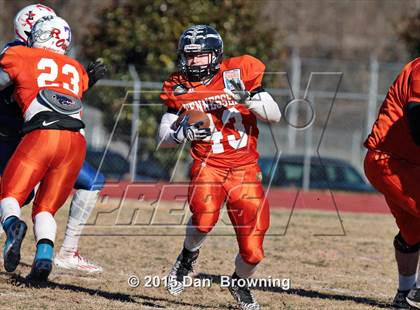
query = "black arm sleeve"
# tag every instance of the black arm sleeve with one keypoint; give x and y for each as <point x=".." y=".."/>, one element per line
<point x="257" y="90"/>
<point x="413" y="116"/>
<point x="172" y="110"/>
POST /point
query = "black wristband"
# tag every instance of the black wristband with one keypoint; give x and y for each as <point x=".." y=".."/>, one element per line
<point x="172" y="111"/>
<point x="413" y="117"/>
<point x="257" y="90"/>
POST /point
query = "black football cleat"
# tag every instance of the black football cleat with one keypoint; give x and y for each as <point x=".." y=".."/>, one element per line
<point x="413" y="298"/>
<point x="11" y="251"/>
<point x="182" y="268"/>
<point x="399" y="300"/>
<point x="243" y="295"/>
<point x="41" y="269"/>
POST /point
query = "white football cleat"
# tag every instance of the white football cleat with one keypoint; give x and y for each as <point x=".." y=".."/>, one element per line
<point x="74" y="261"/>
<point x="182" y="268"/>
<point x="243" y="295"/>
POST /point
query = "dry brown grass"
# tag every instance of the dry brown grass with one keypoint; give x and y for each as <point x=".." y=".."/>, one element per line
<point x="355" y="271"/>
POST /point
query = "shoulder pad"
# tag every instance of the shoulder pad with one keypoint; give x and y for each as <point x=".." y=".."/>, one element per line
<point x="11" y="44"/>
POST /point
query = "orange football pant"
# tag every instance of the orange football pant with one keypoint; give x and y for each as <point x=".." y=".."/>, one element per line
<point x="245" y="199"/>
<point x="52" y="157"/>
<point x="398" y="180"/>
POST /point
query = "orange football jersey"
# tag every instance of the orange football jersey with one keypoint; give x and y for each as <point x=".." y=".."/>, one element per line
<point x="390" y="133"/>
<point x="34" y="69"/>
<point x="234" y="129"/>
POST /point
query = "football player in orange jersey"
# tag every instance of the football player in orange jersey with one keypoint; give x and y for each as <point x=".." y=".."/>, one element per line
<point x="48" y="89"/>
<point x="225" y="155"/>
<point x="89" y="181"/>
<point x="392" y="165"/>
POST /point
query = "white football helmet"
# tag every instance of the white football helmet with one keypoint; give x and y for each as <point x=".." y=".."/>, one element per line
<point x="51" y="33"/>
<point x="26" y="18"/>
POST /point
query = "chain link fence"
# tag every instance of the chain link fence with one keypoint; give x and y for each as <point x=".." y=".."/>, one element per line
<point x="341" y="120"/>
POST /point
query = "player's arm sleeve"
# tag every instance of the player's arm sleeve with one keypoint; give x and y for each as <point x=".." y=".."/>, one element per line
<point x="261" y="103"/>
<point x="264" y="106"/>
<point x="168" y="97"/>
<point x="166" y="133"/>
<point x="412" y="108"/>
<point x="165" y="136"/>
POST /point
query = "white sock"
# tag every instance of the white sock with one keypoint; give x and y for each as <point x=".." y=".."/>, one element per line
<point x="193" y="239"/>
<point x="45" y="226"/>
<point x="9" y="206"/>
<point x="406" y="282"/>
<point x="243" y="269"/>
<point x="81" y="207"/>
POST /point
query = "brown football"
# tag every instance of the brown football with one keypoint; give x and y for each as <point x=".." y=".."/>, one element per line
<point x="195" y="116"/>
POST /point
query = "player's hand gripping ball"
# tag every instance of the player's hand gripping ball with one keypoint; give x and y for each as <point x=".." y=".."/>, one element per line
<point x="191" y="126"/>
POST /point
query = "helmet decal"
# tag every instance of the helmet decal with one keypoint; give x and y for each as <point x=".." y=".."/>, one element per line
<point x="51" y="33"/>
<point x="26" y="18"/>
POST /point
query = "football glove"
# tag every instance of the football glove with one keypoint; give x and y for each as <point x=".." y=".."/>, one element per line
<point x="96" y="71"/>
<point x="239" y="93"/>
<point x="187" y="132"/>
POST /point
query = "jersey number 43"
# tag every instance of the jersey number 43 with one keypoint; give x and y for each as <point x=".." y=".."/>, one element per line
<point x="217" y="136"/>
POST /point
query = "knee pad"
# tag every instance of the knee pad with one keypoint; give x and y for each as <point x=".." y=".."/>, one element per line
<point x="252" y="255"/>
<point x="204" y="223"/>
<point x="401" y="245"/>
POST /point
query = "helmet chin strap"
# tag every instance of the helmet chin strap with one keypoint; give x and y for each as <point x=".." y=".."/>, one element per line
<point x="207" y="79"/>
<point x="202" y="73"/>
